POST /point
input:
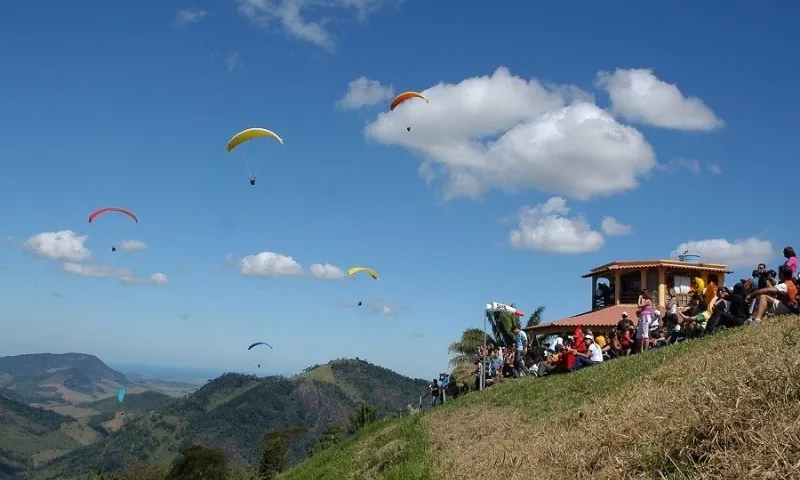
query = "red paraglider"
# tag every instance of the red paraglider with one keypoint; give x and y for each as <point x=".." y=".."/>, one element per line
<point x="112" y="209"/>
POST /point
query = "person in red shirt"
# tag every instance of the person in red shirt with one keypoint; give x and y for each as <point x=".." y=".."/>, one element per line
<point x="778" y="300"/>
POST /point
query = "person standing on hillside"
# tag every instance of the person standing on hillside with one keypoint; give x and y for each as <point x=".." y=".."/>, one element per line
<point x="520" y="346"/>
<point x="434" y="391"/>
<point x="645" y="317"/>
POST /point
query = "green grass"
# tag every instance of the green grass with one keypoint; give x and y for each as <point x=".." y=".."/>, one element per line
<point x="721" y="407"/>
<point x="394" y="450"/>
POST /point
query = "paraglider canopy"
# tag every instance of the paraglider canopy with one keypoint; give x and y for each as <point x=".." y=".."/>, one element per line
<point x="406" y="96"/>
<point x="251" y="155"/>
<point x="260" y="343"/>
<point x="105" y="210"/>
<point x="250" y="134"/>
<point x="121" y="394"/>
<point x="372" y="273"/>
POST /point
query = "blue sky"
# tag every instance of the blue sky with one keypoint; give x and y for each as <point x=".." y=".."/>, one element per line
<point x="131" y="106"/>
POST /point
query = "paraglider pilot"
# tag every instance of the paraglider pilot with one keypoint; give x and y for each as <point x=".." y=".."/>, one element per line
<point x="252" y="180"/>
<point x="359" y="303"/>
<point x="113" y="248"/>
<point x="408" y="129"/>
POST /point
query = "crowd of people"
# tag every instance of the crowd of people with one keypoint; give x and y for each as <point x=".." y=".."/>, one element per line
<point x="710" y="309"/>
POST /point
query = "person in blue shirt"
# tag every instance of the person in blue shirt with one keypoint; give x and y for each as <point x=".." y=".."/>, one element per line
<point x="520" y="347"/>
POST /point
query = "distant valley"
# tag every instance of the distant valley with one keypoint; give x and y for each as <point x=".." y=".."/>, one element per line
<point x="60" y="418"/>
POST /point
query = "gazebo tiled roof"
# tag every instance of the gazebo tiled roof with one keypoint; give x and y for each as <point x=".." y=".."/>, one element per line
<point x="603" y="318"/>
<point x="671" y="264"/>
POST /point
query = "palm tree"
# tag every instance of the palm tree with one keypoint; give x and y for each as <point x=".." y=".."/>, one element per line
<point x="463" y="350"/>
<point x="502" y="323"/>
<point x="536" y="317"/>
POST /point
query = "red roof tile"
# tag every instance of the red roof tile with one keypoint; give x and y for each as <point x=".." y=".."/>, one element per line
<point x="604" y="317"/>
<point x="670" y="264"/>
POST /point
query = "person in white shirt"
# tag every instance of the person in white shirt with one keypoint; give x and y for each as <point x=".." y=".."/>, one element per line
<point x="593" y="355"/>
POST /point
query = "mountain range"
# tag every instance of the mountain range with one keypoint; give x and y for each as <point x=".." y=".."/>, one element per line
<point x="64" y="408"/>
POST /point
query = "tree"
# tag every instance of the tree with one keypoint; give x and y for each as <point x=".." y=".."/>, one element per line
<point x="275" y="458"/>
<point x="361" y="417"/>
<point x="330" y="437"/>
<point x="197" y="462"/>
<point x="502" y="323"/>
<point x="462" y="351"/>
<point x="536" y="317"/>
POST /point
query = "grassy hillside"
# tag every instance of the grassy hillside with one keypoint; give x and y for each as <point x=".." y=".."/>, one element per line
<point x="47" y="378"/>
<point x="235" y="411"/>
<point x="721" y="407"/>
<point x="29" y="436"/>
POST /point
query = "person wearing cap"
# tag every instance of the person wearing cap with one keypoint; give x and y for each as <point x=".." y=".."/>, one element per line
<point x="593" y="355"/>
<point x="624" y="323"/>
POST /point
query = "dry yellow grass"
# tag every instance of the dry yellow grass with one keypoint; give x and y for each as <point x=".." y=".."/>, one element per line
<point x="729" y="411"/>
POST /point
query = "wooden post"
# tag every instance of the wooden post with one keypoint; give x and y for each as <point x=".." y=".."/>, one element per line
<point x="617" y="287"/>
<point x="662" y="287"/>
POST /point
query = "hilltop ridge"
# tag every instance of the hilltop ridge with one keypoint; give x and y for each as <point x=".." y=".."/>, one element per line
<point x="725" y="406"/>
<point x="235" y="411"/>
<point x="50" y="378"/>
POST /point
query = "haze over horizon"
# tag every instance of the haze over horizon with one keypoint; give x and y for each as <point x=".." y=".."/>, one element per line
<point x="553" y="139"/>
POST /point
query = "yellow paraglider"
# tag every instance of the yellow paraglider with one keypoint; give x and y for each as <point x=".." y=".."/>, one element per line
<point x="372" y="273"/>
<point x="402" y="98"/>
<point x="250" y="134"/>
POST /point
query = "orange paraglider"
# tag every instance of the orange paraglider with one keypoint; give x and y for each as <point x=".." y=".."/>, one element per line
<point x="403" y="97"/>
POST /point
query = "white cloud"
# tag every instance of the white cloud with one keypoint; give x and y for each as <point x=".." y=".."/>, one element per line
<point x="748" y="252"/>
<point x="9" y="239"/>
<point x="637" y="95"/>
<point x="327" y="271"/>
<point x="681" y="164"/>
<point x="124" y="275"/>
<point x="381" y="306"/>
<point x="612" y="227"/>
<point x="233" y="61"/>
<point x="64" y="245"/>
<point x="269" y="264"/>
<point x="374" y="306"/>
<point x="292" y="16"/>
<point x="363" y="92"/>
<point x="677" y="165"/>
<point x="502" y="131"/>
<point x="546" y="227"/>
<point x="159" y="279"/>
<point x="188" y="16"/>
<point x="132" y="246"/>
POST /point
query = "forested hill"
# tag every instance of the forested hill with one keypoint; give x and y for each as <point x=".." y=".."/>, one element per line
<point x="235" y="411"/>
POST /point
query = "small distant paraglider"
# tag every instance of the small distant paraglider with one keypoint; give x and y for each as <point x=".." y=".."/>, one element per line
<point x="402" y="98"/>
<point x="247" y="135"/>
<point x="372" y="273"/>
<point x="121" y="396"/>
<point x="255" y="344"/>
<point x="105" y="210"/>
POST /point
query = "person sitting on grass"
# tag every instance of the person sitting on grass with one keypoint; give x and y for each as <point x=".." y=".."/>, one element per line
<point x="778" y="300"/>
<point x="592" y="356"/>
